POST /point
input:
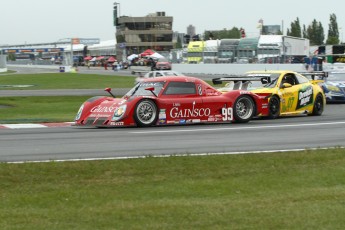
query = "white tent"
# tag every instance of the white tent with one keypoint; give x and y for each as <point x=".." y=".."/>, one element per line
<point x="132" y="56"/>
<point x="155" y="55"/>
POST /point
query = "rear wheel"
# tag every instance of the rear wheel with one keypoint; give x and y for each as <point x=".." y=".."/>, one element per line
<point x="146" y="113"/>
<point x="318" y="106"/>
<point x="274" y="107"/>
<point x="244" y="109"/>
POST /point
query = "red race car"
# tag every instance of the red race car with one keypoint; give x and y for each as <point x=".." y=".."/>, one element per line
<point x="177" y="100"/>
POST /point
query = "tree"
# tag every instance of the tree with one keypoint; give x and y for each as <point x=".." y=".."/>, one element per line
<point x="178" y="44"/>
<point x="333" y="32"/>
<point x="220" y="34"/>
<point x="315" y="33"/>
<point x="295" y="29"/>
<point x="304" y="33"/>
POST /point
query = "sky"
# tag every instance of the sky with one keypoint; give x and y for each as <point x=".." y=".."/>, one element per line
<point x="43" y="21"/>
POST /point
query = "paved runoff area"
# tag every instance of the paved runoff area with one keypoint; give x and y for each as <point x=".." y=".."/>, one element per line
<point x="35" y="125"/>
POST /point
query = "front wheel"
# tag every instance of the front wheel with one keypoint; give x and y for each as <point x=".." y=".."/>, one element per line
<point x="146" y="113"/>
<point x="318" y="106"/>
<point x="244" y="109"/>
<point x="274" y="107"/>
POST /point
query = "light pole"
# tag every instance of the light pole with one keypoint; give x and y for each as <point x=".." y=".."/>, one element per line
<point x="341" y="31"/>
<point x="118" y="4"/>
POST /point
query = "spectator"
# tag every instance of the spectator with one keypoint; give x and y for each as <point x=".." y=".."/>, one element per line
<point x="115" y="64"/>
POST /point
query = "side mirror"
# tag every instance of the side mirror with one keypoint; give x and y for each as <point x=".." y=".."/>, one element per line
<point x="151" y="89"/>
<point x="109" y="91"/>
<point x="265" y="80"/>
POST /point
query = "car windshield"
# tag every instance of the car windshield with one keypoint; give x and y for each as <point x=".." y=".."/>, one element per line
<point x="259" y="84"/>
<point x="140" y="89"/>
<point x="162" y="60"/>
<point x="336" y="77"/>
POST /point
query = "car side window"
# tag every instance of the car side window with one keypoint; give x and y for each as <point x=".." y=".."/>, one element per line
<point x="289" y="78"/>
<point x="177" y="88"/>
<point x="302" y="79"/>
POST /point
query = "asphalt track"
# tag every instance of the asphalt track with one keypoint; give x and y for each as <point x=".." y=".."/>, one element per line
<point x="259" y="135"/>
<point x="73" y="143"/>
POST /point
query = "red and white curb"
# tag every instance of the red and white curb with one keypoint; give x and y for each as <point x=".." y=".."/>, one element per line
<point x="35" y="125"/>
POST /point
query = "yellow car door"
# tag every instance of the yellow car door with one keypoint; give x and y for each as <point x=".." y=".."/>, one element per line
<point x="289" y="89"/>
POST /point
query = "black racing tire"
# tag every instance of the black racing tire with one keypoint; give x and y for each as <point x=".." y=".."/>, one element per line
<point x="274" y="107"/>
<point x="244" y="109"/>
<point x="318" y="105"/>
<point x="146" y="113"/>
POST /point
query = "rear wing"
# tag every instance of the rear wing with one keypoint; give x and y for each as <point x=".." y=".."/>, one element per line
<point x="321" y="74"/>
<point x="240" y="82"/>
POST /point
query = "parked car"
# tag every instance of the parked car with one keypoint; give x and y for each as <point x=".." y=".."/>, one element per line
<point x="162" y="64"/>
<point x="177" y="100"/>
<point x="158" y="73"/>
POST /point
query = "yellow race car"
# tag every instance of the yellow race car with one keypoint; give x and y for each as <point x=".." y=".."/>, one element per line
<point x="289" y="92"/>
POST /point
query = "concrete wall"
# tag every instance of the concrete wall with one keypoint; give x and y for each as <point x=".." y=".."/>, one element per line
<point x="210" y="69"/>
<point x="3" y="66"/>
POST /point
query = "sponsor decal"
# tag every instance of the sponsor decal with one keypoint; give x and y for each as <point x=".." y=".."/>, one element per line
<point x="215" y="118"/>
<point x="305" y="97"/>
<point x="151" y="84"/>
<point x="117" y="123"/>
<point x="244" y="92"/>
<point x="259" y="75"/>
<point x="199" y="89"/>
<point x="183" y="121"/>
<point x="211" y="119"/>
<point x="103" y="109"/>
<point x="288" y="94"/>
<point x="162" y="121"/>
<point x="162" y="114"/>
<point x="176" y="112"/>
<point x="99" y="115"/>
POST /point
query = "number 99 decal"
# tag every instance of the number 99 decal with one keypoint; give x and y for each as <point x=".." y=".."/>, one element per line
<point x="227" y="114"/>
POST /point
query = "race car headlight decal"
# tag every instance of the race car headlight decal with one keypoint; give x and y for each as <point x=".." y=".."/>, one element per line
<point x="119" y="112"/>
<point x="80" y="111"/>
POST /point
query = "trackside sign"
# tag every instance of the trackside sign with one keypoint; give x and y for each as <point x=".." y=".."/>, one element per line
<point x="85" y="41"/>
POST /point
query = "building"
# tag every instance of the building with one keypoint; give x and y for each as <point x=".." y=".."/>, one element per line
<point x="211" y="51"/>
<point x="191" y="30"/>
<point x="247" y="50"/>
<point x="227" y="52"/>
<point x="195" y="52"/>
<point x="137" y="34"/>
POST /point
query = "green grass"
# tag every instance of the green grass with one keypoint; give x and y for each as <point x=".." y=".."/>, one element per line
<point x="52" y="109"/>
<point x="66" y="81"/>
<point x="40" y="109"/>
<point x="292" y="190"/>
